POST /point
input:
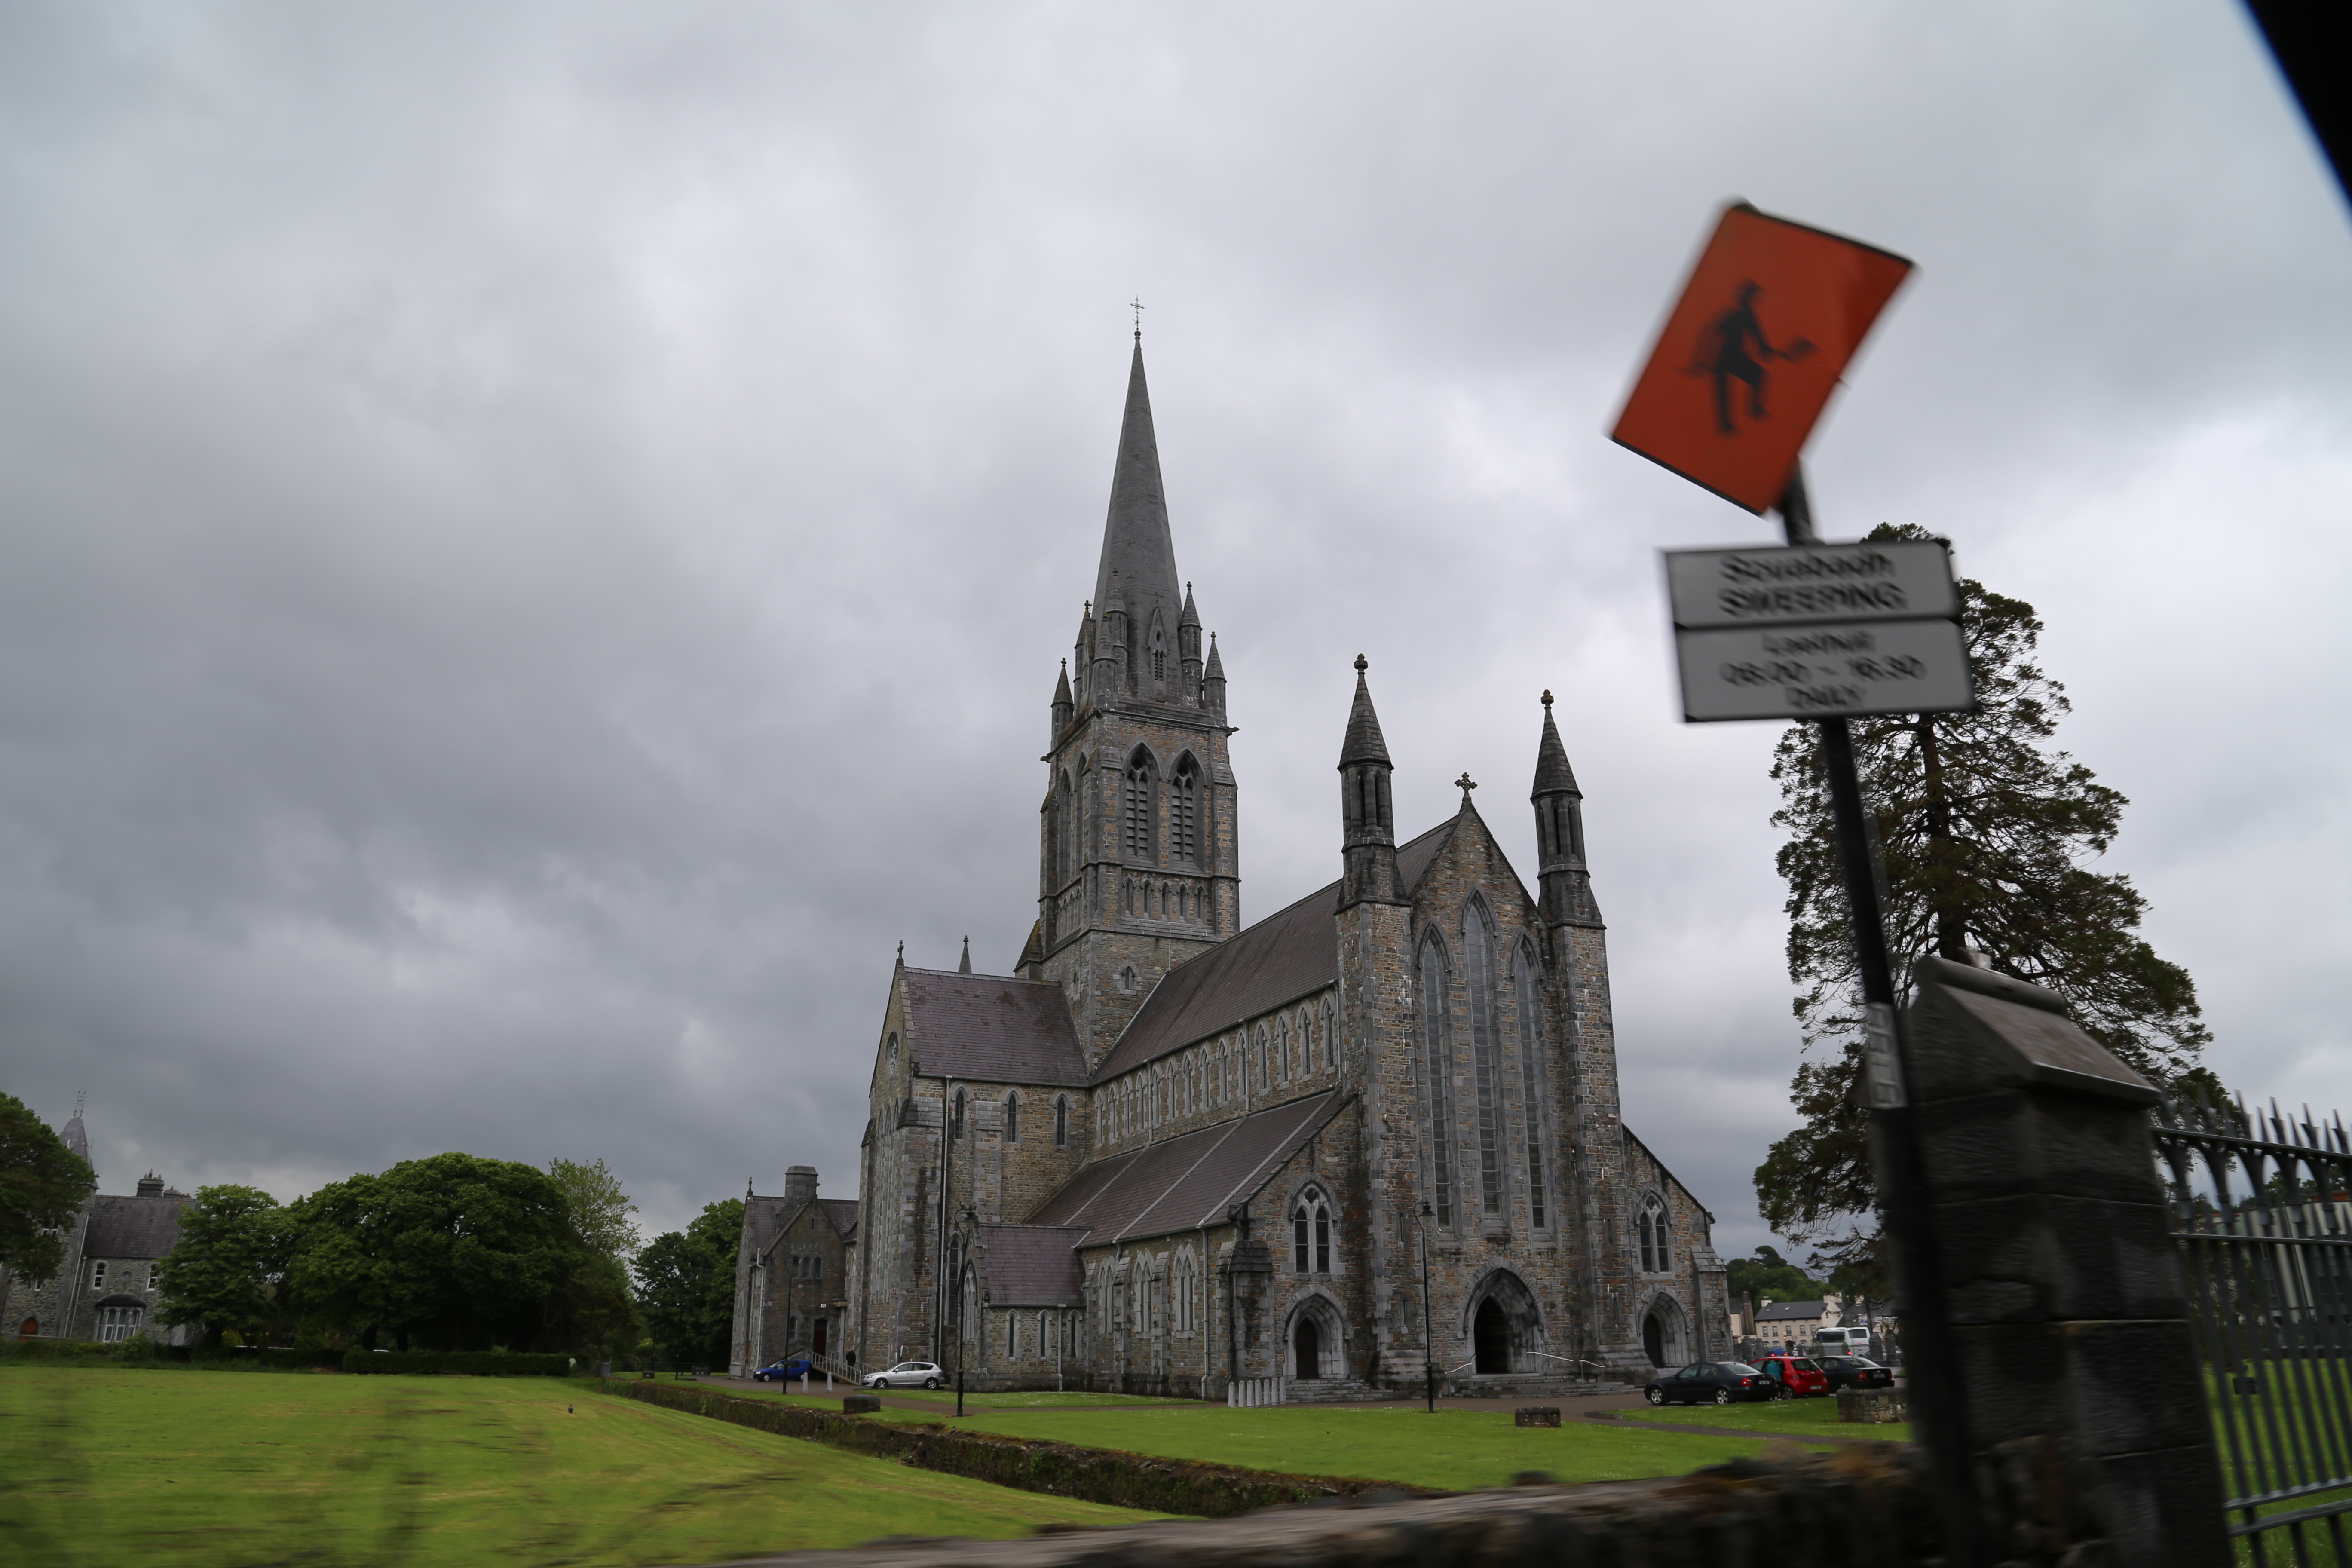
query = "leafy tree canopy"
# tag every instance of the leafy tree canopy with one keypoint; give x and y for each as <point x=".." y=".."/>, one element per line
<point x="686" y="1284"/>
<point x="454" y="1252"/>
<point x="1767" y="1274"/>
<point x="600" y="1209"/>
<point x="1984" y="829"/>
<point x="42" y="1182"/>
<point x="227" y="1266"/>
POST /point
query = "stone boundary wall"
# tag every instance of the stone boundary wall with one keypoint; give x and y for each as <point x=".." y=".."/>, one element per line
<point x="1092" y="1475"/>
<point x="1863" y="1506"/>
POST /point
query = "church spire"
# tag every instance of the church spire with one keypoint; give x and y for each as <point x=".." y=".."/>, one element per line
<point x="1565" y="881"/>
<point x="1367" y="817"/>
<point x="1137" y="549"/>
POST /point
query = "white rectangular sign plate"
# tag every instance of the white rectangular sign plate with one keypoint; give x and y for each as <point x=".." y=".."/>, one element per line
<point x="1789" y="584"/>
<point x="1824" y="672"/>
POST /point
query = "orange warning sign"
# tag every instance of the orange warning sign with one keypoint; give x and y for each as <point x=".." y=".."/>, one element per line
<point x="1771" y="314"/>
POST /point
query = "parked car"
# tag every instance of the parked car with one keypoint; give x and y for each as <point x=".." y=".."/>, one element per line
<point x="1795" y="1376"/>
<point x="1855" y="1372"/>
<point x="907" y="1375"/>
<point x="789" y="1370"/>
<point x="1716" y="1381"/>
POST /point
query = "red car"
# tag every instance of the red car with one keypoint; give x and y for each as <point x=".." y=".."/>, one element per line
<point x="1795" y="1376"/>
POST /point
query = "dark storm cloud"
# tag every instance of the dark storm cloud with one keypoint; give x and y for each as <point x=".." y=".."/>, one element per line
<point x="539" y="538"/>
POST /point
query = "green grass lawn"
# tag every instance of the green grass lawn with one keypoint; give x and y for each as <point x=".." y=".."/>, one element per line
<point x="178" y="1468"/>
<point x="1455" y="1449"/>
<point x="1802" y="1417"/>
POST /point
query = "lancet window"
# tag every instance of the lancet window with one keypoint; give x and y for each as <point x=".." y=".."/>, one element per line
<point x="1437" y="1051"/>
<point x="1478" y="963"/>
<point x="1137" y="808"/>
<point x="1532" y="1076"/>
<point x="1655" y="1238"/>
<point x="1184" y="813"/>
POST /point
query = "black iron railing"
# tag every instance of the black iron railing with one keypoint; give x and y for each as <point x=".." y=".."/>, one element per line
<point x="2261" y="1208"/>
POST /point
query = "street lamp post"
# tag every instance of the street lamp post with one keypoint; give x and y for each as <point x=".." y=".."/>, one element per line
<point x="1428" y="1345"/>
<point x="963" y="1329"/>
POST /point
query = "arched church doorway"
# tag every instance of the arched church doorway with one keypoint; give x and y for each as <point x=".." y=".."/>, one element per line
<point x="1309" y="1350"/>
<point x="1506" y="1327"/>
<point x="30" y="1329"/>
<point x="1662" y="1333"/>
<point x="1491" y="1336"/>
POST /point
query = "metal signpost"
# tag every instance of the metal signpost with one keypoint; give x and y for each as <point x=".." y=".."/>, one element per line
<point x="1772" y="312"/>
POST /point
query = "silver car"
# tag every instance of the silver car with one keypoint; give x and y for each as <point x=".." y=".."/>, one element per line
<point x="906" y="1374"/>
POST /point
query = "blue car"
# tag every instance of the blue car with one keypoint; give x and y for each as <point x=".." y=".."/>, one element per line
<point x="788" y="1370"/>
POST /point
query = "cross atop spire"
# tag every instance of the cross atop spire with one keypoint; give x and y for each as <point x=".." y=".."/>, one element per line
<point x="1466" y="783"/>
<point x="1136" y="305"/>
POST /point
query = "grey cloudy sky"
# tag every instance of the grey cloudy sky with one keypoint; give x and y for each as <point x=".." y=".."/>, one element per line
<point x="538" y="537"/>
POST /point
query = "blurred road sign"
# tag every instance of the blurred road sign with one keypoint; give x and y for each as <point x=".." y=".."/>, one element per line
<point x="1746" y="586"/>
<point x="1752" y="351"/>
<point x="1824" y="672"/>
<point x="1818" y="631"/>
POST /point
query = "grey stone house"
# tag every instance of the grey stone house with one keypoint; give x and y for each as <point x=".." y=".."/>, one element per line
<point x="105" y="1289"/>
<point x="1168" y="1149"/>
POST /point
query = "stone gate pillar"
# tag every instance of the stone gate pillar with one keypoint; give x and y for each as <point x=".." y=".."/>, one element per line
<point x="2071" y="1311"/>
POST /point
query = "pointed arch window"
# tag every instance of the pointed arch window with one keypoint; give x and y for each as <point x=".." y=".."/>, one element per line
<point x="1065" y="833"/>
<point x="955" y="1116"/>
<point x="1478" y="965"/>
<point x="1655" y="1237"/>
<point x="1437" y="1051"/>
<point x="1061" y="1122"/>
<point x="1012" y="1118"/>
<point x="1184" y="813"/>
<point x="1532" y="1079"/>
<point x="1138" y="807"/>
<point x="1159" y="642"/>
<point x="1310" y="1233"/>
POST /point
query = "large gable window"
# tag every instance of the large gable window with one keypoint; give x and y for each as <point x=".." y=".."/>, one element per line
<point x="1437" y="1051"/>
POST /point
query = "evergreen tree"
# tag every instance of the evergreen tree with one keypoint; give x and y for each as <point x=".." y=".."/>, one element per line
<point x="1983" y="828"/>
<point x="42" y="1182"/>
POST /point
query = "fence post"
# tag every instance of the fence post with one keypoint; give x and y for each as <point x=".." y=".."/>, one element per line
<point x="2071" y="1314"/>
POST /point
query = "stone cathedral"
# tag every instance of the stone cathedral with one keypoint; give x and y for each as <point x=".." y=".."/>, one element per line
<point x="1169" y="1150"/>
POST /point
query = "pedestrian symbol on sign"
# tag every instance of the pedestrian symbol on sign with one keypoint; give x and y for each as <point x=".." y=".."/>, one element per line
<point x="1723" y="353"/>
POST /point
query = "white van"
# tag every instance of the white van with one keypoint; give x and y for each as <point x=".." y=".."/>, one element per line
<point x="1844" y="1342"/>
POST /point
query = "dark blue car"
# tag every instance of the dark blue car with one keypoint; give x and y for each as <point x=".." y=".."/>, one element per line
<point x="791" y="1370"/>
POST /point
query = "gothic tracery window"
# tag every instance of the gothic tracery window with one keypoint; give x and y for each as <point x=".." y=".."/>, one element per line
<point x="1655" y="1237"/>
<point x="1137" y="808"/>
<point x="1310" y="1233"/>
<point x="1184" y="813"/>
<point x="1437" y="1051"/>
<point x="1478" y="943"/>
<point x="1012" y="1118"/>
<point x="1532" y="1081"/>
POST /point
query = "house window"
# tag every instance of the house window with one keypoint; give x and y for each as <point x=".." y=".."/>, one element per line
<point x="1310" y="1233"/>
<point x="1061" y="1122"/>
<point x="1437" y="1049"/>
<point x="1657" y="1251"/>
<point x="1012" y="1118"/>
<point x="98" y="1276"/>
<point x="118" y="1323"/>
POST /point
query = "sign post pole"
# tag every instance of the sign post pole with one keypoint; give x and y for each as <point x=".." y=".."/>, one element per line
<point x="1932" y="1364"/>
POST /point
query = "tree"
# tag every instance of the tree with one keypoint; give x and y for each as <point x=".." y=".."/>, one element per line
<point x="1983" y="828"/>
<point x="686" y="1283"/>
<point x="1767" y="1274"/>
<point x="227" y="1267"/>
<point x="42" y="1182"/>
<point x="454" y="1252"/>
<point x="600" y="1309"/>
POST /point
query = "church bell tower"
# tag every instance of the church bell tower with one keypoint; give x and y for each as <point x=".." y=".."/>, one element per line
<point x="1138" y="846"/>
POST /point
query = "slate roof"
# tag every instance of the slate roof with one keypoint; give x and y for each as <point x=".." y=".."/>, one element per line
<point x="990" y="1027"/>
<point x="1032" y="1265"/>
<point x="1780" y="1310"/>
<point x="1187" y="1181"/>
<point x="134" y="1228"/>
<point x="842" y="1212"/>
<point x="1282" y="957"/>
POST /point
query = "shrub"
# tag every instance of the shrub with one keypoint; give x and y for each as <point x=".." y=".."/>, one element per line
<point x="472" y="1364"/>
